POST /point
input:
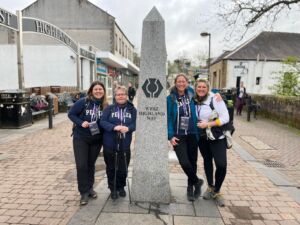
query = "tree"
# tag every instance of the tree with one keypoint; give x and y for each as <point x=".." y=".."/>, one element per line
<point x="288" y="80"/>
<point x="240" y="15"/>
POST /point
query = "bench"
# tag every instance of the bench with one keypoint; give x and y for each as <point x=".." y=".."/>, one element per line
<point x="40" y="113"/>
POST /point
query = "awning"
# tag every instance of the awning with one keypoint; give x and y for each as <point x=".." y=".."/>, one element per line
<point x="111" y="60"/>
<point x="132" y="67"/>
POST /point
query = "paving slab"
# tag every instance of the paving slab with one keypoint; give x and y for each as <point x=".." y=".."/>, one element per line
<point x="206" y="208"/>
<point x="173" y="209"/>
<point x="136" y="219"/>
<point x="122" y="206"/>
<point x="184" y="220"/>
<point x="89" y="213"/>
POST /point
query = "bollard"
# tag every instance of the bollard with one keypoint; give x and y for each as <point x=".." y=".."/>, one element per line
<point x="249" y="102"/>
<point x="50" y="112"/>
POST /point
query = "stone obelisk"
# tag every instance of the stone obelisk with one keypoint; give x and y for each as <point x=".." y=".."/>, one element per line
<point x="150" y="178"/>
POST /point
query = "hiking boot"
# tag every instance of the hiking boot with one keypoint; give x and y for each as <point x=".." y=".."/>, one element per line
<point x="190" y="193"/>
<point x="93" y="194"/>
<point x="114" y="195"/>
<point x="219" y="199"/>
<point x="208" y="194"/>
<point x="84" y="199"/>
<point x="122" y="192"/>
<point x="197" y="191"/>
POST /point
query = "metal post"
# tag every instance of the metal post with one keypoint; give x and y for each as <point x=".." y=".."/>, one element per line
<point x="50" y="112"/>
<point x="78" y="64"/>
<point x="92" y="67"/>
<point x="20" y="51"/>
<point x="208" y="76"/>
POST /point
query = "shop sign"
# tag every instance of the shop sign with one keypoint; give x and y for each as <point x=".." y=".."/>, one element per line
<point x="87" y="54"/>
<point x="101" y="67"/>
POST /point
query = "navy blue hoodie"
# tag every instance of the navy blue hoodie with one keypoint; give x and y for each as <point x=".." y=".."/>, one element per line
<point x="83" y="110"/>
<point x="112" y="116"/>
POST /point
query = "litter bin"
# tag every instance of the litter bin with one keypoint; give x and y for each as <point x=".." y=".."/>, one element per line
<point x="15" y="109"/>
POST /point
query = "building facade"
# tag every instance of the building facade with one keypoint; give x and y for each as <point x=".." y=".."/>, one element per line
<point x="86" y="24"/>
<point x="257" y="62"/>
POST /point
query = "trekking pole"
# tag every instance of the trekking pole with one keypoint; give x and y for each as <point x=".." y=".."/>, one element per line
<point x="115" y="178"/>
<point x="125" y="162"/>
<point x="127" y="179"/>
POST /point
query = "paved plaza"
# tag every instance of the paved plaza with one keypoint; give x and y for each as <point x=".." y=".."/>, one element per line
<point x="38" y="181"/>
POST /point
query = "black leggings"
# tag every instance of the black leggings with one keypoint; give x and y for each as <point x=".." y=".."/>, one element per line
<point x="187" y="154"/>
<point x="214" y="150"/>
<point x="86" y="151"/>
<point x="109" y="158"/>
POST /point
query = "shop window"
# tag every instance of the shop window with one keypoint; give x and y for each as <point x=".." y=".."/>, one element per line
<point x="116" y="42"/>
<point x="258" y="80"/>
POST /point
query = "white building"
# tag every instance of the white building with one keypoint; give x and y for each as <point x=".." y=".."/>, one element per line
<point x="256" y="62"/>
<point x="47" y="62"/>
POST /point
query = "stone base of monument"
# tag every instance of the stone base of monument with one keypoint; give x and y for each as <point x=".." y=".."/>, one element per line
<point x="104" y="211"/>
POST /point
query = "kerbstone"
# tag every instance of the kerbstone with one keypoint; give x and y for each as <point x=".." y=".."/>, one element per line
<point x="150" y="178"/>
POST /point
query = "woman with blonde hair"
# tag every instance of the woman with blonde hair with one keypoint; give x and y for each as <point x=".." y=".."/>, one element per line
<point x="118" y="122"/>
<point x="212" y="116"/>
<point x="182" y="132"/>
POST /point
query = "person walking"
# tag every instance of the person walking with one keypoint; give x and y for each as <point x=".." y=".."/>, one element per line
<point x="212" y="115"/>
<point x="182" y="132"/>
<point x="87" y="137"/>
<point x="118" y="122"/>
<point x="240" y="99"/>
<point x="131" y="92"/>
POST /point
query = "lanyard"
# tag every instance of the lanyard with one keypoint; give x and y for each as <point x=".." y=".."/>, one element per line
<point x="186" y="105"/>
<point x="198" y="111"/>
<point x="121" y="115"/>
<point x="95" y="113"/>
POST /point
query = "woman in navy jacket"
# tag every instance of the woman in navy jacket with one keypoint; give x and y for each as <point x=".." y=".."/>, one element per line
<point x="118" y="121"/>
<point x="87" y="137"/>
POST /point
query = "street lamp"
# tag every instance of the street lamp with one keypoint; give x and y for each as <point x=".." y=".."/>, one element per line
<point x="205" y="34"/>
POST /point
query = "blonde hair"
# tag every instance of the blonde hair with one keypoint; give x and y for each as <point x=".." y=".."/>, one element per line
<point x="202" y="80"/>
<point x="122" y="88"/>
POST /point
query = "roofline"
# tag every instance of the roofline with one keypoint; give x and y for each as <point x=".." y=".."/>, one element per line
<point x="123" y="33"/>
<point x="87" y="1"/>
<point x="242" y="46"/>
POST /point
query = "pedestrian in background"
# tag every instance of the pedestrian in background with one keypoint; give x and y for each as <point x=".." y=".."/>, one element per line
<point x="212" y="115"/>
<point x="87" y="137"/>
<point x="131" y="92"/>
<point x="182" y="132"/>
<point x="118" y="122"/>
<point x="240" y="99"/>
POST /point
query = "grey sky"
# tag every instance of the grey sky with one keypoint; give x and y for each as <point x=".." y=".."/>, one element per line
<point x="184" y="20"/>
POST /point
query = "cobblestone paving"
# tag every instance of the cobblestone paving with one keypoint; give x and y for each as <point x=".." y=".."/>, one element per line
<point x="38" y="179"/>
<point x="284" y="143"/>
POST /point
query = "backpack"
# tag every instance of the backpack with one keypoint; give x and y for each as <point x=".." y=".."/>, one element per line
<point x="228" y="126"/>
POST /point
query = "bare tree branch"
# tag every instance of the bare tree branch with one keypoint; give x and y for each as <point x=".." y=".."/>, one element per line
<point x="241" y="15"/>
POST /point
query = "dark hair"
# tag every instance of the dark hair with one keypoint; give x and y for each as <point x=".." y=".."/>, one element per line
<point x="181" y="75"/>
<point x="90" y="92"/>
